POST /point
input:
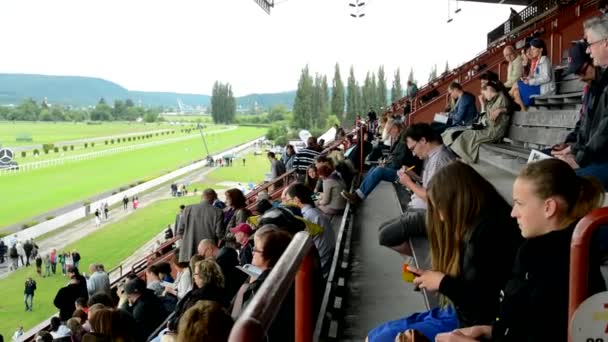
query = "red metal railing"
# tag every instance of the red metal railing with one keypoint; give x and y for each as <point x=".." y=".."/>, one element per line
<point x="296" y="264"/>
<point x="579" y="258"/>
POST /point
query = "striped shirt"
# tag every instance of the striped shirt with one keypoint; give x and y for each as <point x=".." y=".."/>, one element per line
<point x="304" y="158"/>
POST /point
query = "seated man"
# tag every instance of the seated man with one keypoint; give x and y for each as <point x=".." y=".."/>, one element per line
<point x="492" y="125"/>
<point x="587" y="155"/>
<point x="464" y="112"/>
<point x="399" y="156"/>
<point x="426" y="145"/>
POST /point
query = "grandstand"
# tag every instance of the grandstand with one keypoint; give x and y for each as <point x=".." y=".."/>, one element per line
<point x="364" y="287"/>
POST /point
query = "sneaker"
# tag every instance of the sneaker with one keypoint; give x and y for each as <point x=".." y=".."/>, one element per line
<point x="351" y="197"/>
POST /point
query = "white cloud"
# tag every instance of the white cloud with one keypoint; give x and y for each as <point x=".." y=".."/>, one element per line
<point x="185" y="45"/>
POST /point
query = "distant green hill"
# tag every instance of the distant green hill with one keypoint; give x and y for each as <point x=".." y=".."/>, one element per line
<point x="86" y="91"/>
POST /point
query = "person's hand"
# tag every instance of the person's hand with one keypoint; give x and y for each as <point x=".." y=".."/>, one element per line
<point x="426" y="279"/>
<point x="454" y="336"/>
<point x="569" y="158"/>
<point x="561" y="149"/>
<point x="171" y="290"/>
<point x="494" y="114"/>
<point x="476" y="331"/>
<point x="525" y="80"/>
<point x="406" y="180"/>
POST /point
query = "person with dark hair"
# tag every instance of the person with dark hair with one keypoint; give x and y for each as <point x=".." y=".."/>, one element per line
<point x="277" y="169"/>
<point x="306" y="156"/>
<point x="464" y="112"/>
<point x="399" y="156"/>
<point x="263" y="206"/>
<point x="237" y="212"/>
<point x="473" y="241"/>
<point x="548" y="201"/>
<point x="587" y="155"/>
<point x="153" y="281"/>
<point x="41" y="336"/>
<point x="325" y="240"/>
<point x="311" y="179"/>
<point x="491" y="126"/>
<point x="540" y="82"/>
<point x="183" y="279"/>
<point x="288" y="157"/>
<point x="200" y="221"/>
<point x="58" y="329"/>
<point x="66" y="296"/>
<point x="81" y="304"/>
<point x="100" y="298"/>
<point x="426" y="145"/>
<point x="145" y="307"/>
<point x="28" y="293"/>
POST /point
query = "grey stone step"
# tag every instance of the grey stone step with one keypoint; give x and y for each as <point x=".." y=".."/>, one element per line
<point x="541" y="136"/>
<point x="504" y="157"/>
<point x="546" y="118"/>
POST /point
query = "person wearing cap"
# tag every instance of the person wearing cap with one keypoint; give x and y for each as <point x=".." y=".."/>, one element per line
<point x="584" y="149"/>
<point x="242" y="232"/>
<point x="540" y="81"/>
<point x="145" y="307"/>
<point x="491" y="126"/>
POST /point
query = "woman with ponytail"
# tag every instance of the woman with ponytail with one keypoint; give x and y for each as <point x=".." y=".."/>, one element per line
<point x="473" y="245"/>
<point x="548" y="201"/>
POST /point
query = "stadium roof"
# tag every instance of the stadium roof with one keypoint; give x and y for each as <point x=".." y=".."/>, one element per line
<point x="504" y="2"/>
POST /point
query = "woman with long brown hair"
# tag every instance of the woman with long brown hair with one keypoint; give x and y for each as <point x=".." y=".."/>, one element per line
<point x="549" y="200"/>
<point x="473" y="244"/>
<point x="237" y="211"/>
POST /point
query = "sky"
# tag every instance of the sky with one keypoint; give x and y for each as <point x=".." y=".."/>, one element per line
<point x="186" y="45"/>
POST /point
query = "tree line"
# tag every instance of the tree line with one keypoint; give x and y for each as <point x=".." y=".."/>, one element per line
<point x="30" y="110"/>
<point x="223" y="103"/>
<point x="317" y="107"/>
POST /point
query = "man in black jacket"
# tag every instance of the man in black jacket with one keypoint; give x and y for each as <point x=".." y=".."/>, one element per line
<point x="28" y="294"/>
<point x="400" y="156"/>
<point x="145" y="307"/>
<point x="585" y="150"/>
<point x="588" y="155"/>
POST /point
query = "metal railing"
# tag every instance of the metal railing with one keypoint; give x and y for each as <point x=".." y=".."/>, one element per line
<point x="295" y="265"/>
<point x="579" y="259"/>
<point x="522" y="19"/>
<point x="326" y="326"/>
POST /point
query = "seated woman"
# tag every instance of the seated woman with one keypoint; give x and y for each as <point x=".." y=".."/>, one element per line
<point x="330" y="201"/>
<point x="183" y="281"/>
<point x="205" y="321"/>
<point x="492" y="125"/>
<point x="270" y="242"/>
<point x="311" y="180"/>
<point x="473" y="243"/>
<point x="540" y="81"/>
<point x="549" y="199"/>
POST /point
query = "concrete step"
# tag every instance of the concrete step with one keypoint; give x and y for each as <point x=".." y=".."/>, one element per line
<point x="546" y="118"/>
<point x="506" y="157"/>
<point x="501" y="179"/>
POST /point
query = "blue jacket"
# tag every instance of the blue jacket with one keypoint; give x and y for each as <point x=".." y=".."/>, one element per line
<point x="465" y="112"/>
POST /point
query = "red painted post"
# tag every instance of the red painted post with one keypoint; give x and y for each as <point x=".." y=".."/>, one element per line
<point x="304" y="300"/>
<point x="579" y="259"/>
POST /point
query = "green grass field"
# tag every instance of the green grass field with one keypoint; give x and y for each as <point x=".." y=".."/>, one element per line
<point x="110" y="245"/>
<point x="38" y="191"/>
<point x="48" y="132"/>
<point x="188" y="118"/>
<point x="254" y="171"/>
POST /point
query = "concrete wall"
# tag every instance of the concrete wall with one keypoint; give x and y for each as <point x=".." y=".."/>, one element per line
<point x="77" y="214"/>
